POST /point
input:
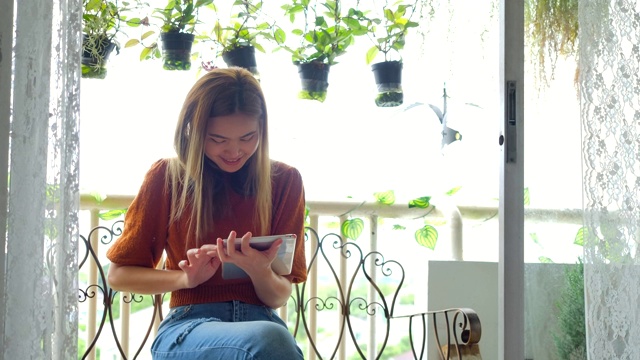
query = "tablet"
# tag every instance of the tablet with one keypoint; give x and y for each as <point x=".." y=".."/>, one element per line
<point x="281" y="264"/>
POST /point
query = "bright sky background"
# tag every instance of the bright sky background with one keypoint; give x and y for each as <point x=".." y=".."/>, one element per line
<point x="347" y="146"/>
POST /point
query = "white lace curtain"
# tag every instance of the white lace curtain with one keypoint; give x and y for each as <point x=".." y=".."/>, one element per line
<point x="610" y="111"/>
<point x="40" y="292"/>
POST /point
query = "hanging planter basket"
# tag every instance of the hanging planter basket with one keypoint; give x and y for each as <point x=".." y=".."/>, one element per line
<point x="176" y="50"/>
<point x="314" y="80"/>
<point x="95" y="54"/>
<point x="388" y="77"/>
<point x="244" y="57"/>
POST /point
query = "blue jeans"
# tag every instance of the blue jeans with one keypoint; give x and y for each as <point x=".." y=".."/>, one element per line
<point x="224" y="331"/>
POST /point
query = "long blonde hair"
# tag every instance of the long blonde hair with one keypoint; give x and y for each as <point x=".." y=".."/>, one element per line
<point x="191" y="182"/>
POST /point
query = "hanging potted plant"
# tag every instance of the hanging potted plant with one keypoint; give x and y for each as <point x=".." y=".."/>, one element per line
<point x="324" y="35"/>
<point x="176" y="34"/>
<point x="238" y="40"/>
<point x="100" y="25"/>
<point x="178" y="21"/>
<point x="551" y="31"/>
<point x="388" y="33"/>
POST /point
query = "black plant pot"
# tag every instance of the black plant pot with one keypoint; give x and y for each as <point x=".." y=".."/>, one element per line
<point x="176" y="50"/>
<point x="95" y="54"/>
<point x="388" y="78"/>
<point x="314" y="78"/>
<point x="244" y="57"/>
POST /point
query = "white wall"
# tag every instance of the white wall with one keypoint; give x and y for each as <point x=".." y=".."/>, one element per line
<point x="466" y="284"/>
<point x="475" y="285"/>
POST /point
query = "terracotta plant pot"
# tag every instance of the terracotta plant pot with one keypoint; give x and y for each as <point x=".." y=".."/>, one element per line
<point x="244" y="57"/>
<point x="388" y="78"/>
<point x="314" y="79"/>
<point x="176" y="50"/>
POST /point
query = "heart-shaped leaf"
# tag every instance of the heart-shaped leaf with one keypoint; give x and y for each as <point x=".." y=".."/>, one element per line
<point x="421" y="202"/>
<point x="385" y="197"/>
<point x="352" y="228"/>
<point x="427" y="237"/>
<point x="582" y="233"/>
<point x="112" y="214"/>
<point x="98" y="197"/>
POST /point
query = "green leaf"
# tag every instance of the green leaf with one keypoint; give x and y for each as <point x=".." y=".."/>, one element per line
<point x="399" y="227"/>
<point x="352" y="228"/>
<point x="535" y="238"/>
<point x="306" y="216"/>
<point x="132" y="42"/>
<point x="201" y="3"/>
<point x="112" y="214"/>
<point x="97" y="197"/>
<point x="545" y="260"/>
<point x="526" y="196"/>
<point x="427" y="237"/>
<point x="144" y="53"/>
<point x="371" y="54"/>
<point x="388" y="14"/>
<point x="93" y="5"/>
<point x="385" y="197"/>
<point x="258" y="47"/>
<point x="280" y="36"/>
<point x="421" y="202"/>
<point x="352" y="23"/>
<point x="582" y="233"/>
<point x="453" y="191"/>
<point x="52" y="193"/>
<point x="411" y="24"/>
<point x="147" y="34"/>
<point x="134" y="22"/>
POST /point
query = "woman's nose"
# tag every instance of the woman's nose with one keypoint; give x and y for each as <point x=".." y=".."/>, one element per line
<point x="233" y="148"/>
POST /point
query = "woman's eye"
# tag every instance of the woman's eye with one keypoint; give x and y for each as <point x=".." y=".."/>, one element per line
<point x="248" y="138"/>
<point x="217" y="141"/>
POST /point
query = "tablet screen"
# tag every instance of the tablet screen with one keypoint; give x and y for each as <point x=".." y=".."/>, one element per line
<point x="281" y="264"/>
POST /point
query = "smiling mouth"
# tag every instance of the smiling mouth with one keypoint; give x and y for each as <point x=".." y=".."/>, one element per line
<point x="232" y="162"/>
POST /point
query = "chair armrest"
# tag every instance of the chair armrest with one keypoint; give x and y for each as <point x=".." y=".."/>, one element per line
<point x="463" y="332"/>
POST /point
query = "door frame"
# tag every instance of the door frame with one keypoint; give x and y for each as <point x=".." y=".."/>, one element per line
<point x="511" y="210"/>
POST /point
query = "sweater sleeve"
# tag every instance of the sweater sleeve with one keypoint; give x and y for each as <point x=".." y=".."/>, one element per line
<point x="288" y="215"/>
<point x="145" y="224"/>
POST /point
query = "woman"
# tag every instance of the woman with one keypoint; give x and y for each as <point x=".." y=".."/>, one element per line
<point x="222" y="184"/>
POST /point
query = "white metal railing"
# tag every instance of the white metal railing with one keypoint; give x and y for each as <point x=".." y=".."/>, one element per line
<point x="339" y="210"/>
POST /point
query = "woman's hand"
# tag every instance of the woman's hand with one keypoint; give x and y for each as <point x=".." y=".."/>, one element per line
<point x="200" y="265"/>
<point x="272" y="289"/>
<point x="252" y="261"/>
<point x="198" y="268"/>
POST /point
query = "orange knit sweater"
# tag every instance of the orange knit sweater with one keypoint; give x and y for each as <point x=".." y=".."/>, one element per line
<point x="147" y="233"/>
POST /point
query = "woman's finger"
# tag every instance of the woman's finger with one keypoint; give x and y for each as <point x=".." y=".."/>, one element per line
<point x="245" y="243"/>
<point x="222" y="254"/>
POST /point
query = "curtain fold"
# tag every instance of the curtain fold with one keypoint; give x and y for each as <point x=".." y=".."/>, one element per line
<point x="610" y="113"/>
<point x="40" y="300"/>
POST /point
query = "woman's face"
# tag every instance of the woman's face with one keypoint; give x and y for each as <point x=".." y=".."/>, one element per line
<point x="231" y="140"/>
